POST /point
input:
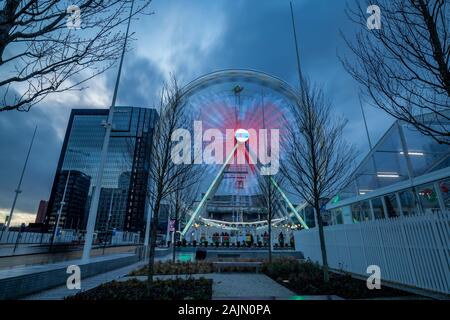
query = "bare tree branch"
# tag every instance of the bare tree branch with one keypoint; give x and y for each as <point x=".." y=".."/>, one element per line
<point x="318" y="160"/>
<point x="40" y="55"/>
<point x="404" y="67"/>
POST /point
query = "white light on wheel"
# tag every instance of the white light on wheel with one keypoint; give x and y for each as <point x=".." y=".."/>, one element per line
<point x="242" y="135"/>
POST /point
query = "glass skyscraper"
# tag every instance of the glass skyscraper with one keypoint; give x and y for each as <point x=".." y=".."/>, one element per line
<point x="123" y="195"/>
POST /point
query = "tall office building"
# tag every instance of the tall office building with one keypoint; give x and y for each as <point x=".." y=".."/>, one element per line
<point x="125" y="178"/>
<point x="76" y="185"/>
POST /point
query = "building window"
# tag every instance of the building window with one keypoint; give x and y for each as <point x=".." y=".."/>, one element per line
<point x="356" y="212"/>
<point x="408" y="202"/>
<point x="428" y="199"/>
<point x="377" y="206"/>
<point x="391" y="206"/>
<point x="366" y="214"/>
<point x="336" y="216"/>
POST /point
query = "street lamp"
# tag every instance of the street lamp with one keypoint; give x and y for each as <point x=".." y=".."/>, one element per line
<point x="99" y="179"/>
<point x="18" y="191"/>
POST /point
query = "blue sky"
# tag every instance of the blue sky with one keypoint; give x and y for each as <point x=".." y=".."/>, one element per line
<point x="190" y="38"/>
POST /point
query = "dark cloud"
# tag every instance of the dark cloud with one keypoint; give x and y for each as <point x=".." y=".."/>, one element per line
<point x="16" y="130"/>
<point x="254" y="35"/>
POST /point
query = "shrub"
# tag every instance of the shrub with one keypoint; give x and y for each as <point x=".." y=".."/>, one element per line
<point x="177" y="289"/>
<point x="306" y="278"/>
<point x="169" y="267"/>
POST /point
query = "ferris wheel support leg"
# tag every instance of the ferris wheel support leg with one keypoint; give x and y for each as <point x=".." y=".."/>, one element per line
<point x="211" y="190"/>
<point x="283" y="195"/>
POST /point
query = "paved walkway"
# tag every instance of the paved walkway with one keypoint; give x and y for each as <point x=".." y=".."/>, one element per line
<point x="247" y="285"/>
<point x="59" y="293"/>
<point x="234" y="286"/>
<point x="225" y="286"/>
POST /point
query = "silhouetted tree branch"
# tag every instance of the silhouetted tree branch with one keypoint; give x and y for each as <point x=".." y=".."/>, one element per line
<point x="166" y="177"/>
<point x="404" y="67"/>
<point x="40" y="55"/>
<point x="269" y="199"/>
<point x="318" y="160"/>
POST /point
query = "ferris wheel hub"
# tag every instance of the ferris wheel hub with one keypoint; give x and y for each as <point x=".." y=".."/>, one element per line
<point x="242" y="135"/>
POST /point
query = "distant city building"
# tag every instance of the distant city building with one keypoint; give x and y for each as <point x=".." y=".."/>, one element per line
<point x="125" y="177"/>
<point x="42" y="211"/>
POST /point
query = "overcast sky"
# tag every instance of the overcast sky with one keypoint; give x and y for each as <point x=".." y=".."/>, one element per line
<point x="191" y="38"/>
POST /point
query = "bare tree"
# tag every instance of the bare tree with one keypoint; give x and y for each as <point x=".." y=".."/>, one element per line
<point x="269" y="200"/>
<point x="183" y="197"/>
<point x="165" y="176"/>
<point x="318" y="160"/>
<point x="404" y="67"/>
<point x="42" y="50"/>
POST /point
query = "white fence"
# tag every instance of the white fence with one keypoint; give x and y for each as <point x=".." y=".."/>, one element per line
<point x="11" y="237"/>
<point x="65" y="236"/>
<point x="413" y="250"/>
<point x="125" y="238"/>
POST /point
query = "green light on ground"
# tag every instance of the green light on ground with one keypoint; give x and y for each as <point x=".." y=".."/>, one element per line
<point x="185" y="257"/>
<point x="297" y="298"/>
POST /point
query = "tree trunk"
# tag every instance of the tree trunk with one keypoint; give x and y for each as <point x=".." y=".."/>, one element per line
<point x="6" y="15"/>
<point x="270" y="239"/>
<point x="323" y="249"/>
<point x="153" y="237"/>
<point x="174" y="248"/>
<point x="438" y="52"/>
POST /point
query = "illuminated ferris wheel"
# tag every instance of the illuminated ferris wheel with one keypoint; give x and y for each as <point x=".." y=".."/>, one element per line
<point x="251" y="105"/>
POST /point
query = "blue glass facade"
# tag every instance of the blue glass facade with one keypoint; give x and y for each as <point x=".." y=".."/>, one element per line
<point x="123" y="195"/>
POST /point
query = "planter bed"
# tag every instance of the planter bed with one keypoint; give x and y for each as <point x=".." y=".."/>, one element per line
<point x="177" y="289"/>
<point x="306" y="278"/>
<point x="169" y="267"/>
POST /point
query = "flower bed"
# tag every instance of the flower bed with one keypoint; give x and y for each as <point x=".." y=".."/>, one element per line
<point x="306" y="278"/>
<point x="177" y="289"/>
<point x="169" y="267"/>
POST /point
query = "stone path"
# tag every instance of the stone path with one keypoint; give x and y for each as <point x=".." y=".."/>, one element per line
<point x="225" y="286"/>
<point x="59" y="293"/>
<point x="234" y="286"/>
<point x="245" y="285"/>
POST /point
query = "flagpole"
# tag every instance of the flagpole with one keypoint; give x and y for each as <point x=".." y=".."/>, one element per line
<point x="98" y="182"/>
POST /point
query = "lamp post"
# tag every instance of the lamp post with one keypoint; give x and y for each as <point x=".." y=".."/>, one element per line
<point x="18" y="191"/>
<point x="98" y="182"/>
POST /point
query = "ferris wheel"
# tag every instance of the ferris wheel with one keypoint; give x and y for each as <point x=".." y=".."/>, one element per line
<point x="245" y="102"/>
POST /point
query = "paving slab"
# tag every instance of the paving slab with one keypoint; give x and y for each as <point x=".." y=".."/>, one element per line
<point x="59" y="293"/>
<point x="236" y="286"/>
